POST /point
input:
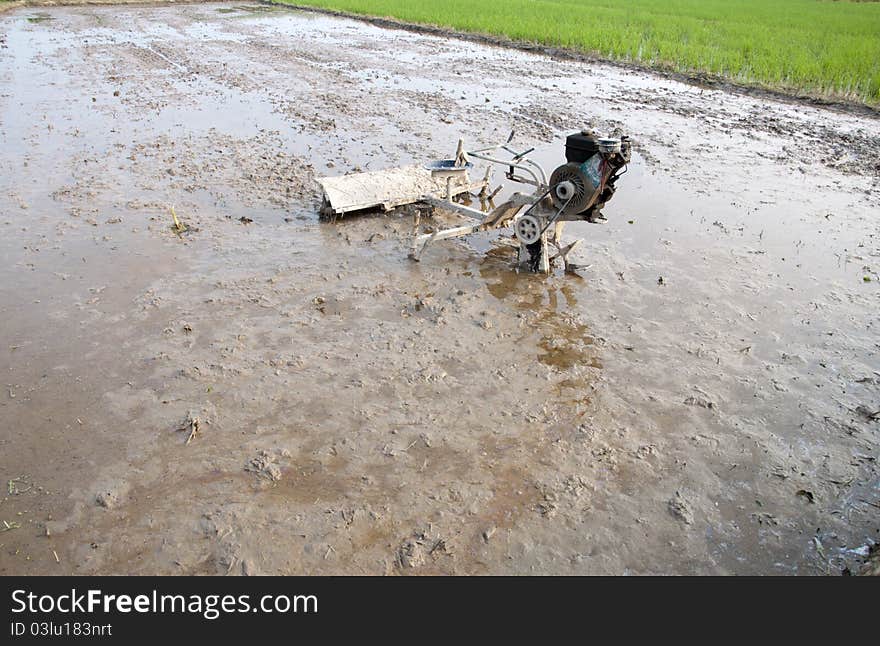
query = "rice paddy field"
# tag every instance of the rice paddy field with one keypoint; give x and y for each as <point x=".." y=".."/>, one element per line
<point x="818" y="47"/>
<point x="236" y="387"/>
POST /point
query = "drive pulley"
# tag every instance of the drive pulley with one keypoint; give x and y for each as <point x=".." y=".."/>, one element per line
<point x="528" y="229"/>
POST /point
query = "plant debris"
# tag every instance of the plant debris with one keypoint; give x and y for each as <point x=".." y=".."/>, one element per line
<point x="192" y="425"/>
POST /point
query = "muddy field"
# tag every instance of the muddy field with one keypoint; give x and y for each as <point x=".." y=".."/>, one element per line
<point x="702" y="399"/>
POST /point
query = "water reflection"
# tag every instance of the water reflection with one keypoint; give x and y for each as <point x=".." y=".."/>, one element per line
<point x="564" y="341"/>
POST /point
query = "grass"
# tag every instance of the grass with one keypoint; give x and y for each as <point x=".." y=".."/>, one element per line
<point x="819" y="47"/>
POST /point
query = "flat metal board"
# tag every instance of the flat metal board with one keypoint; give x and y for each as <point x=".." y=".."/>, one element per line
<point x="386" y="188"/>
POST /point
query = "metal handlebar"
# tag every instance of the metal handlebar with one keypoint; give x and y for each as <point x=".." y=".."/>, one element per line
<point x="518" y="160"/>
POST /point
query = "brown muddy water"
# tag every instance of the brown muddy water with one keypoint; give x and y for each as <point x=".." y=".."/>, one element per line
<point x="363" y="414"/>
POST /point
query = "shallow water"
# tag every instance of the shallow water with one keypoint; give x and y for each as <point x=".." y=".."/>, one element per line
<point x="417" y="402"/>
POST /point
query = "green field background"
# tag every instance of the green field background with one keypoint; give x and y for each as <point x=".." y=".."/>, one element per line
<point x="820" y="47"/>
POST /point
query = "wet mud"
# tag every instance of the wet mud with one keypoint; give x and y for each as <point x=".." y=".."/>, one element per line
<point x="702" y="399"/>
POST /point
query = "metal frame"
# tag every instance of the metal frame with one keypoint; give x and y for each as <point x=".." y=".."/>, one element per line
<point x="505" y="214"/>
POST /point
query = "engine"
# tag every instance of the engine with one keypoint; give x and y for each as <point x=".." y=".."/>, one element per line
<point x="583" y="185"/>
<point x="577" y="190"/>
